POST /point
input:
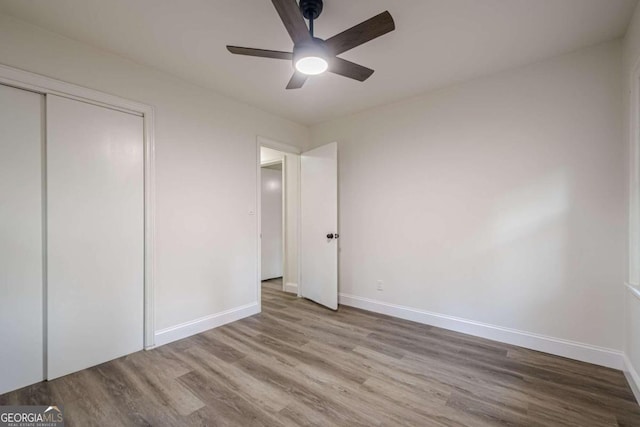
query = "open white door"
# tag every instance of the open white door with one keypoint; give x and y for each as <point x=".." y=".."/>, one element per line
<point x="319" y="225"/>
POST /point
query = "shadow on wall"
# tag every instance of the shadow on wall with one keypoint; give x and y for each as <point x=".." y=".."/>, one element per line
<point x="526" y="261"/>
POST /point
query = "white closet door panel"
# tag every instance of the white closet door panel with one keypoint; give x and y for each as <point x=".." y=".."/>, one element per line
<point x="21" y="258"/>
<point x="95" y="234"/>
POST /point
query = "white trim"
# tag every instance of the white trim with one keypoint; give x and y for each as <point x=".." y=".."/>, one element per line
<point x="633" y="289"/>
<point x="284" y="218"/>
<point x="41" y="84"/>
<point x="632" y="378"/>
<point x="187" y="329"/>
<point x="271" y="162"/>
<point x="258" y="213"/>
<point x="299" y="227"/>
<point x="149" y="227"/>
<point x="278" y="146"/>
<point x="557" y="346"/>
<point x="291" y="287"/>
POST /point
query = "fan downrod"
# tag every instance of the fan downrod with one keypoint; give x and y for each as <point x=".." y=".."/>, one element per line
<point x="311" y="9"/>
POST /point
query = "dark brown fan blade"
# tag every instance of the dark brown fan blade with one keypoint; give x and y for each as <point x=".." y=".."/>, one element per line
<point x="355" y="36"/>
<point x="297" y="80"/>
<point x="263" y="53"/>
<point x="349" y="69"/>
<point x="293" y="20"/>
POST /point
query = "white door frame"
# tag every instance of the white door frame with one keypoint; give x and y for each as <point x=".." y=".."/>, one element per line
<point x="285" y="148"/>
<point x="45" y="85"/>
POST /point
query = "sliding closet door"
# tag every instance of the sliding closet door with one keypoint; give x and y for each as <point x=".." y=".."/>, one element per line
<point x="21" y="259"/>
<point x="95" y="210"/>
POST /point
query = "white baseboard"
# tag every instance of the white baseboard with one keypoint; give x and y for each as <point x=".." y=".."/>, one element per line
<point x="184" y="330"/>
<point x="291" y="287"/>
<point x="632" y="377"/>
<point x="557" y="346"/>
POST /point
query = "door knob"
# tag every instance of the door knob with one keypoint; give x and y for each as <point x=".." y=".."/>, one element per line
<point x="330" y="236"/>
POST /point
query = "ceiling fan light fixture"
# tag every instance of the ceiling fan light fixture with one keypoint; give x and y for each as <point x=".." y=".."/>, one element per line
<point x="312" y="65"/>
<point x="310" y="59"/>
<point x="311" y="55"/>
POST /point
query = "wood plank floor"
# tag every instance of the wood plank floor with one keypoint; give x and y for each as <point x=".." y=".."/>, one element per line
<point x="273" y="284"/>
<point x="300" y="364"/>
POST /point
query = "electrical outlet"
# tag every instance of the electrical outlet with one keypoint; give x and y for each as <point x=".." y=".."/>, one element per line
<point x="379" y="285"/>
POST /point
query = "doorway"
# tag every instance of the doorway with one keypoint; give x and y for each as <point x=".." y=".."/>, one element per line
<point x="309" y="192"/>
<point x="273" y="236"/>
<point x="279" y="199"/>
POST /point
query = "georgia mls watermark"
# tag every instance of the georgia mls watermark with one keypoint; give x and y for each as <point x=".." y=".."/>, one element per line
<point x="31" y="416"/>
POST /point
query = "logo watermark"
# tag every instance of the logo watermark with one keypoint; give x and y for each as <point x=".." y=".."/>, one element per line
<point x="31" y="416"/>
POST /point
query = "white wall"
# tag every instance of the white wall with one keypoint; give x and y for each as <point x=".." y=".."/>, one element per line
<point x="206" y="241"/>
<point x="292" y="202"/>
<point x="271" y="217"/>
<point x="631" y="62"/>
<point x="499" y="200"/>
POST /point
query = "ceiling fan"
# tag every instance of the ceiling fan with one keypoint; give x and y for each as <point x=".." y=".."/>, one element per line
<point x="312" y="55"/>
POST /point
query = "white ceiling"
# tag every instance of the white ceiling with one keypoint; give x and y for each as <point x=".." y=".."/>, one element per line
<point x="436" y="43"/>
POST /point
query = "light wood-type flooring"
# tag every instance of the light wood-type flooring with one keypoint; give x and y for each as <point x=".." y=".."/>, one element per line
<point x="299" y="364"/>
